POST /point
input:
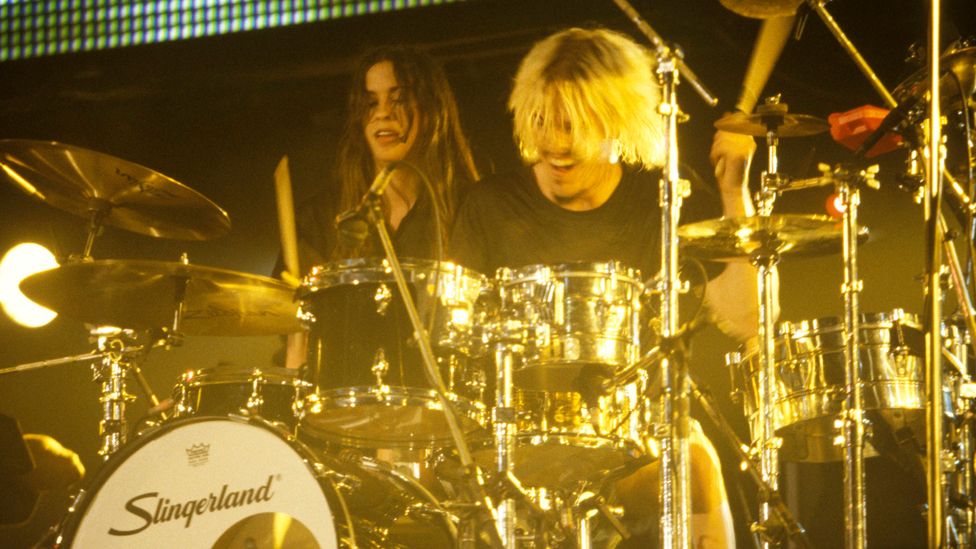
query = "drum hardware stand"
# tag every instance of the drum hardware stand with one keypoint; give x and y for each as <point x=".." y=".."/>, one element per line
<point x="934" y="173"/>
<point x="375" y="215"/>
<point x="675" y="492"/>
<point x="852" y="415"/>
<point x="508" y="337"/>
<point x="933" y="310"/>
<point x="819" y="7"/>
<point x="674" y="429"/>
<point x="98" y="209"/>
<point x="765" y="260"/>
<point x="782" y="525"/>
<point x="855" y="513"/>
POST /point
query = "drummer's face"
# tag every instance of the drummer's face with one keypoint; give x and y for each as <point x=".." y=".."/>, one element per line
<point x="569" y="177"/>
<point x="392" y="118"/>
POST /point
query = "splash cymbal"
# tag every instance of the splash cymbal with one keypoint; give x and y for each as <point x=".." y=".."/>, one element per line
<point x="760" y="123"/>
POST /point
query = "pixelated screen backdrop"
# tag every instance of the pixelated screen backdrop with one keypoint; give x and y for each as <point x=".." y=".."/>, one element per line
<point x="39" y="28"/>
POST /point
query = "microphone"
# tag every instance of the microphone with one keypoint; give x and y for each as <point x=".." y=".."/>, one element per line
<point x="352" y="224"/>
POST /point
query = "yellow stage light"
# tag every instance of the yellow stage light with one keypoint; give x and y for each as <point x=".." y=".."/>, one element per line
<point x="17" y="264"/>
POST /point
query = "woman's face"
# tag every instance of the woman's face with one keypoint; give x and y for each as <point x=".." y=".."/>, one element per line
<point x="392" y="118"/>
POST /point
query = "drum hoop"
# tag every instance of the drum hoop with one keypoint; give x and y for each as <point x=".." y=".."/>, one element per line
<point x="577" y="269"/>
<point x="91" y="488"/>
<point x="579" y="440"/>
<point x="368" y="270"/>
<point x="365" y="395"/>
<point x="220" y="375"/>
<point x="867" y="320"/>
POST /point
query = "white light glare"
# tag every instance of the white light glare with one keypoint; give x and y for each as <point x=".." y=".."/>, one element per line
<point x="17" y="264"/>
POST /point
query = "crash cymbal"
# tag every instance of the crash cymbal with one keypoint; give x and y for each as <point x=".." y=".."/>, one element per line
<point x="741" y="238"/>
<point x="144" y="295"/>
<point x="959" y="64"/>
<point x="759" y="123"/>
<point x="129" y="196"/>
<point x="762" y="9"/>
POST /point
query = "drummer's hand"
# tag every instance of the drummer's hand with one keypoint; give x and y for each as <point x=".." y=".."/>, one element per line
<point x="731" y="155"/>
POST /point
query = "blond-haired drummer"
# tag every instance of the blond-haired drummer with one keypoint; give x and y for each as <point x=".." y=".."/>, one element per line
<point x="585" y="107"/>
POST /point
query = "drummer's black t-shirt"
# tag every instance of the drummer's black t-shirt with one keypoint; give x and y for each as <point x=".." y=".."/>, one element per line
<point x="506" y="221"/>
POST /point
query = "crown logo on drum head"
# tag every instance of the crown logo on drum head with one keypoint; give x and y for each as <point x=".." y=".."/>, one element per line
<point x="198" y="454"/>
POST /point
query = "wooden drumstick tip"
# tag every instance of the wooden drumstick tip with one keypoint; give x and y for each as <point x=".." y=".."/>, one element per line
<point x="286" y="221"/>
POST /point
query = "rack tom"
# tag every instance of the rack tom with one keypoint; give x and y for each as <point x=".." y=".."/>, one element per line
<point x="579" y="315"/>
<point x="370" y="388"/>
<point x="809" y="381"/>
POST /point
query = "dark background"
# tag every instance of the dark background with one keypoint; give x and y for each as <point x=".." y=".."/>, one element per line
<point x="218" y="113"/>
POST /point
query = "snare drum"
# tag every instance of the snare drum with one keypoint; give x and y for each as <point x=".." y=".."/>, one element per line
<point x="808" y="388"/>
<point x="271" y="393"/>
<point x="363" y="361"/>
<point x="229" y="482"/>
<point x="580" y="314"/>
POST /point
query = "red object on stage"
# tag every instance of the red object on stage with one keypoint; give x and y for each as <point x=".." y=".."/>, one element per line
<point x="853" y="127"/>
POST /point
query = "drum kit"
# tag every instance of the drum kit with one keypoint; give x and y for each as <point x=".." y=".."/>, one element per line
<point x="510" y="404"/>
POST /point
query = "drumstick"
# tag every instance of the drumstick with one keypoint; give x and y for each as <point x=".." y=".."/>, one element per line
<point x="286" y="223"/>
<point x="765" y="52"/>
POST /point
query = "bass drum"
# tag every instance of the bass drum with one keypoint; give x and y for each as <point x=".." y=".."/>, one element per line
<point x="221" y="482"/>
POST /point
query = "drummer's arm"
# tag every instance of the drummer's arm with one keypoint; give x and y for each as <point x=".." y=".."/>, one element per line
<point x="732" y="297"/>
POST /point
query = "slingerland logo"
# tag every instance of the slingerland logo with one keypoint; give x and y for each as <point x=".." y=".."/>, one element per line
<point x="152" y="509"/>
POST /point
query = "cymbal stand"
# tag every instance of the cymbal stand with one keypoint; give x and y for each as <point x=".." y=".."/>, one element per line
<point x="472" y="472"/>
<point x="98" y="209"/>
<point x="855" y="514"/>
<point x="765" y="259"/>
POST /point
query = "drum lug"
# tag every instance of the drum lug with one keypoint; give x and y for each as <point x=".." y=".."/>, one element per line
<point x="380" y="367"/>
<point x="382" y="298"/>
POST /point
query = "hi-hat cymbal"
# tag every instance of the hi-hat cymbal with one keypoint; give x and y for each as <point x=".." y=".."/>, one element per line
<point x="129" y="196"/>
<point x="762" y="9"/>
<point x="958" y="81"/>
<point x="145" y="295"/>
<point x="785" y="124"/>
<point x="742" y="238"/>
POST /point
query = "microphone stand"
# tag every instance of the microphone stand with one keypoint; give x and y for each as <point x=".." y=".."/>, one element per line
<point x="673" y="429"/>
<point x="374" y="213"/>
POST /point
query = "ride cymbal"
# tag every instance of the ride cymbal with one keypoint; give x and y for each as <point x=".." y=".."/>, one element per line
<point x="114" y="191"/>
<point x="958" y="80"/>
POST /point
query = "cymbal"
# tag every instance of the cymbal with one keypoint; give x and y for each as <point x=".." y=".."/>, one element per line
<point x="786" y="124"/>
<point x="144" y="295"/>
<point x="762" y="9"/>
<point x="741" y="238"/>
<point x="961" y="63"/>
<point x="130" y="196"/>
